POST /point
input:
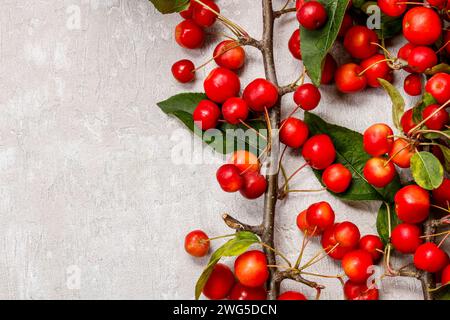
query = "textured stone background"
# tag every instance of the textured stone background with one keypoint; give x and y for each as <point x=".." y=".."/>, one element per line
<point x="91" y="203"/>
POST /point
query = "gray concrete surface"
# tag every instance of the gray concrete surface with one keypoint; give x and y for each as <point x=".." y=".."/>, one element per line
<point x="91" y="204"/>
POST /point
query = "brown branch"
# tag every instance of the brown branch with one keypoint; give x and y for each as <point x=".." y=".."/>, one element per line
<point x="239" y="226"/>
<point x="279" y="13"/>
<point x="426" y="278"/>
<point x="287" y="89"/>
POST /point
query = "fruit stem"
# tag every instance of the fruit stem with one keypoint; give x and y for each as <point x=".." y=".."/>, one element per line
<point x="436" y="234"/>
<point x="307" y="190"/>
<point x="373" y="64"/>
<point x="253" y="129"/>
<point x="222" y="237"/>
<point x="318" y="257"/>
<point x="441" y="208"/>
<point x="305" y="241"/>
<point x="269" y="127"/>
<point x="386" y="51"/>
<point x="443" y="239"/>
<point x="323" y="275"/>
<point x="443" y="47"/>
<point x="396" y="154"/>
<point x="434" y="131"/>
<point x="293" y="175"/>
<point x="277" y="253"/>
<point x="215" y="57"/>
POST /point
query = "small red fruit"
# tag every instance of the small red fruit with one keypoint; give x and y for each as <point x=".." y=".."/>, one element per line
<point x="422" y="26"/>
<point x="378" y="139"/>
<point x="376" y="68"/>
<point x="245" y="161"/>
<point x="337" y="178"/>
<point x="392" y="8"/>
<point x="347" y="23"/>
<point x="312" y="15"/>
<point x="303" y="225"/>
<point x="260" y="94"/>
<point x="406" y="238"/>
<point x="320" y="215"/>
<point x="319" y="151"/>
<point x="438" y="119"/>
<point x="445" y="277"/>
<point x="291" y="295"/>
<point x="347" y="234"/>
<point x="294" y="132"/>
<point x="251" y="269"/>
<point x="429" y="257"/>
<point x="359" y="291"/>
<point x="202" y="15"/>
<point x="413" y="84"/>
<point x="229" y="54"/>
<point x="421" y="58"/>
<point x="294" y="45"/>
<point x="401" y="153"/>
<point x="222" y="84"/>
<point x="329" y="69"/>
<point x="437" y="3"/>
<point x="330" y="245"/>
<point x="220" y="283"/>
<point x="379" y="172"/>
<point x="412" y="204"/>
<point x="254" y="185"/>
<point x="206" y="115"/>
<point x="307" y="96"/>
<point x="439" y="87"/>
<point x="407" y="121"/>
<point x="235" y="110"/>
<point x="404" y="53"/>
<point x="373" y="245"/>
<point x="196" y="243"/>
<point x="358" y="42"/>
<point x="349" y="79"/>
<point x="441" y="195"/>
<point x="187" y="13"/>
<point x="183" y="71"/>
<point x="189" y="35"/>
<point x="229" y="178"/>
<point x="356" y="265"/>
<point x="241" y="292"/>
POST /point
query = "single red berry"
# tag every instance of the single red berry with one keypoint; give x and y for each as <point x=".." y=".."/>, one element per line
<point x="429" y="257"/>
<point x="405" y="238"/>
<point x="221" y="84"/>
<point x="421" y="58"/>
<point x="401" y="153"/>
<point x="437" y="3"/>
<point x="373" y="245"/>
<point x="251" y="269"/>
<point x="347" y="234"/>
<point x="320" y="215"/>
<point x="360" y="291"/>
<point x="378" y="139"/>
<point x="438" y="119"/>
<point x="229" y="54"/>
<point x="241" y="292"/>
<point x="349" y="78"/>
<point x="445" y="277"/>
<point x="356" y="265"/>
<point x="347" y="23"/>
<point x="245" y="161"/>
<point x="260" y="94"/>
<point x="359" y="41"/>
<point x="235" y="110"/>
<point x="229" y="178"/>
<point x="187" y="13"/>
<point x="294" y="132"/>
<point x="337" y="178"/>
<point x="312" y="15"/>
<point x="413" y="84"/>
<point x="219" y="283"/>
<point x="404" y="53"/>
<point x="202" y="15"/>
<point x="376" y="68"/>
<point x="294" y="45"/>
<point x="303" y="225"/>
<point x="206" y="115"/>
<point x="183" y="71"/>
<point x="379" y="172"/>
<point x="189" y="35"/>
<point x="331" y="246"/>
<point x="291" y="295"/>
<point x="307" y="96"/>
<point x="422" y="26"/>
<point x="412" y="204"/>
<point x="299" y="4"/>
<point x="329" y="69"/>
<point x="319" y="151"/>
<point x="196" y="243"/>
<point x="254" y="185"/>
<point x="441" y="195"/>
<point x="392" y="8"/>
<point x="407" y="121"/>
<point x="439" y="87"/>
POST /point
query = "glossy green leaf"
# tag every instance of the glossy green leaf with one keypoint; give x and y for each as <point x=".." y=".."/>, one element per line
<point x="350" y="153"/>
<point x="426" y="170"/>
<point x="234" y="247"/>
<point x="383" y="223"/>
<point x="398" y="103"/>
<point x="170" y="6"/>
<point x="442" y="67"/>
<point x="226" y="138"/>
<point x="315" y="44"/>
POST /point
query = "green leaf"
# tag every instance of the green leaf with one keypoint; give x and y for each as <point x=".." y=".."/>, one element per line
<point x="350" y="153"/>
<point x="234" y="247"/>
<point x="426" y="170"/>
<point x="383" y="221"/>
<point x="398" y="103"/>
<point x="170" y="6"/>
<point x="446" y="152"/>
<point x="226" y="138"/>
<point x="315" y="44"/>
<point x="442" y="67"/>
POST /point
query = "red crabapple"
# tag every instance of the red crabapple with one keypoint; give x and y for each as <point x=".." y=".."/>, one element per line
<point x="445" y="277"/>
<point x="406" y="238"/>
<point x="254" y="185"/>
<point x="189" y="35"/>
<point x="349" y="78"/>
<point x="356" y="265"/>
<point x="378" y="139"/>
<point x="196" y="243"/>
<point x="422" y="26"/>
<point x="203" y="16"/>
<point x="243" y="293"/>
<point x="392" y="8"/>
<point x="206" y="115"/>
<point x="235" y="110"/>
<point x="437" y="120"/>
<point x="307" y="96"/>
<point x="245" y="161"/>
<point x="260" y="94"/>
<point x="183" y="71"/>
<point x="347" y="234"/>
<point x="294" y="45"/>
<point x="229" y="178"/>
<point x="337" y="178"/>
<point x="441" y="195"/>
<point x="401" y="153"/>
<point x="331" y="246"/>
<point x="291" y="295"/>
<point x="429" y="257"/>
<point x="413" y="84"/>
<point x="219" y="283"/>
<point x="376" y="68"/>
<point x="359" y="291"/>
<point x="407" y="121"/>
<point x="412" y="204"/>
<point x="229" y="54"/>
<point x="439" y="87"/>
<point x="373" y="245"/>
<point x="294" y="132"/>
<point x="303" y="225"/>
<point x="251" y="269"/>
<point x="221" y="84"/>
<point x="319" y="151"/>
<point x="320" y="215"/>
<point x="359" y="41"/>
<point x="312" y="15"/>
<point x="329" y="69"/>
<point x="379" y="172"/>
<point x="422" y="58"/>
